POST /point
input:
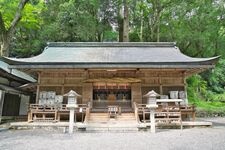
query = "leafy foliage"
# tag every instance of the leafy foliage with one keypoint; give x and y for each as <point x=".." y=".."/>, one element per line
<point x="25" y="39"/>
<point x="216" y="78"/>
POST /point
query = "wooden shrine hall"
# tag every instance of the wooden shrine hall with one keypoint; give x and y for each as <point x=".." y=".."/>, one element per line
<point x="110" y="74"/>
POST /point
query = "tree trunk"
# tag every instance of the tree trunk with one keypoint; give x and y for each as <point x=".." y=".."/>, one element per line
<point x="7" y="34"/>
<point x="126" y="22"/>
<point x="155" y="21"/>
<point x="123" y="21"/>
<point x="120" y="25"/>
<point x="157" y="16"/>
<point x="141" y="28"/>
<point x="5" y="45"/>
<point x="158" y="27"/>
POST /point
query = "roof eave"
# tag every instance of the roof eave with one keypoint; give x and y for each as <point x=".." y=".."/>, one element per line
<point x="109" y="65"/>
<point x="206" y="63"/>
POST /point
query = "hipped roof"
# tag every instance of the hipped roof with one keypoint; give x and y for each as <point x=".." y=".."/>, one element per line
<point x="111" y="55"/>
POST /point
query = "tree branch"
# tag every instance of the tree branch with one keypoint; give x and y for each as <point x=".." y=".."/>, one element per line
<point x="18" y="16"/>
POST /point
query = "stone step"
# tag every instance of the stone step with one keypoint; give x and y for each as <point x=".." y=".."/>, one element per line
<point x="112" y="125"/>
<point x="107" y="120"/>
<point x="113" y="122"/>
<point x="109" y="129"/>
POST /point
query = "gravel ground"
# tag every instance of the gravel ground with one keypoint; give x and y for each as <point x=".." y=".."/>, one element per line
<point x="165" y="139"/>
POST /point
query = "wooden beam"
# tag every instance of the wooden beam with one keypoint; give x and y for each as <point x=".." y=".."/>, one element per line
<point x="59" y="70"/>
<point x="172" y="84"/>
<point x="149" y="85"/>
<point x="60" y="85"/>
<point x="194" y="71"/>
<point x="105" y="69"/>
<point x="38" y="87"/>
<point x="162" y="69"/>
<point x="146" y="85"/>
<point x="62" y="77"/>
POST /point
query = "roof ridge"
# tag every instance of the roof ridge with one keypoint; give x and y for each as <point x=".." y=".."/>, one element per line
<point x="110" y="44"/>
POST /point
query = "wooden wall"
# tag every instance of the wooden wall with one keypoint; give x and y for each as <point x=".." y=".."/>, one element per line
<point x="61" y="81"/>
<point x="136" y="93"/>
<point x="162" y="81"/>
<point x="87" y="92"/>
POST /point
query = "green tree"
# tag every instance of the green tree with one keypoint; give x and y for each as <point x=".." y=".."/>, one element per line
<point x="19" y="26"/>
<point x="7" y="27"/>
<point x="196" y="26"/>
<point x="216" y="78"/>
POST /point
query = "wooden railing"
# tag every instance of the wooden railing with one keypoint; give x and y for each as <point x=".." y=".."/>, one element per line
<point x="136" y="112"/>
<point x="142" y="111"/>
<point x="52" y="113"/>
<point x="164" y="115"/>
<point x="188" y="110"/>
<point x="169" y="115"/>
<point x="44" y="111"/>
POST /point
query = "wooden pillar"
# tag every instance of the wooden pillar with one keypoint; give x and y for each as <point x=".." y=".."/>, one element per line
<point x="86" y="74"/>
<point x="63" y="90"/>
<point x="185" y="86"/>
<point x="38" y="88"/>
<point x="160" y="86"/>
<point x="2" y="95"/>
<point x="87" y="93"/>
<point x="136" y="93"/>
<point x="184" y="79"/>
<point x="63" y="85"/>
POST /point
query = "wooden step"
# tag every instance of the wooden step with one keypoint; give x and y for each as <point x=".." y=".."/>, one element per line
<point x="105" y="110"/>
<point x="104" y="118"/>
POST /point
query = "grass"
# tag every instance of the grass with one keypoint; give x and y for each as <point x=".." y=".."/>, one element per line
<point x="209" y="108"/>
<point x="207" y="102"/>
